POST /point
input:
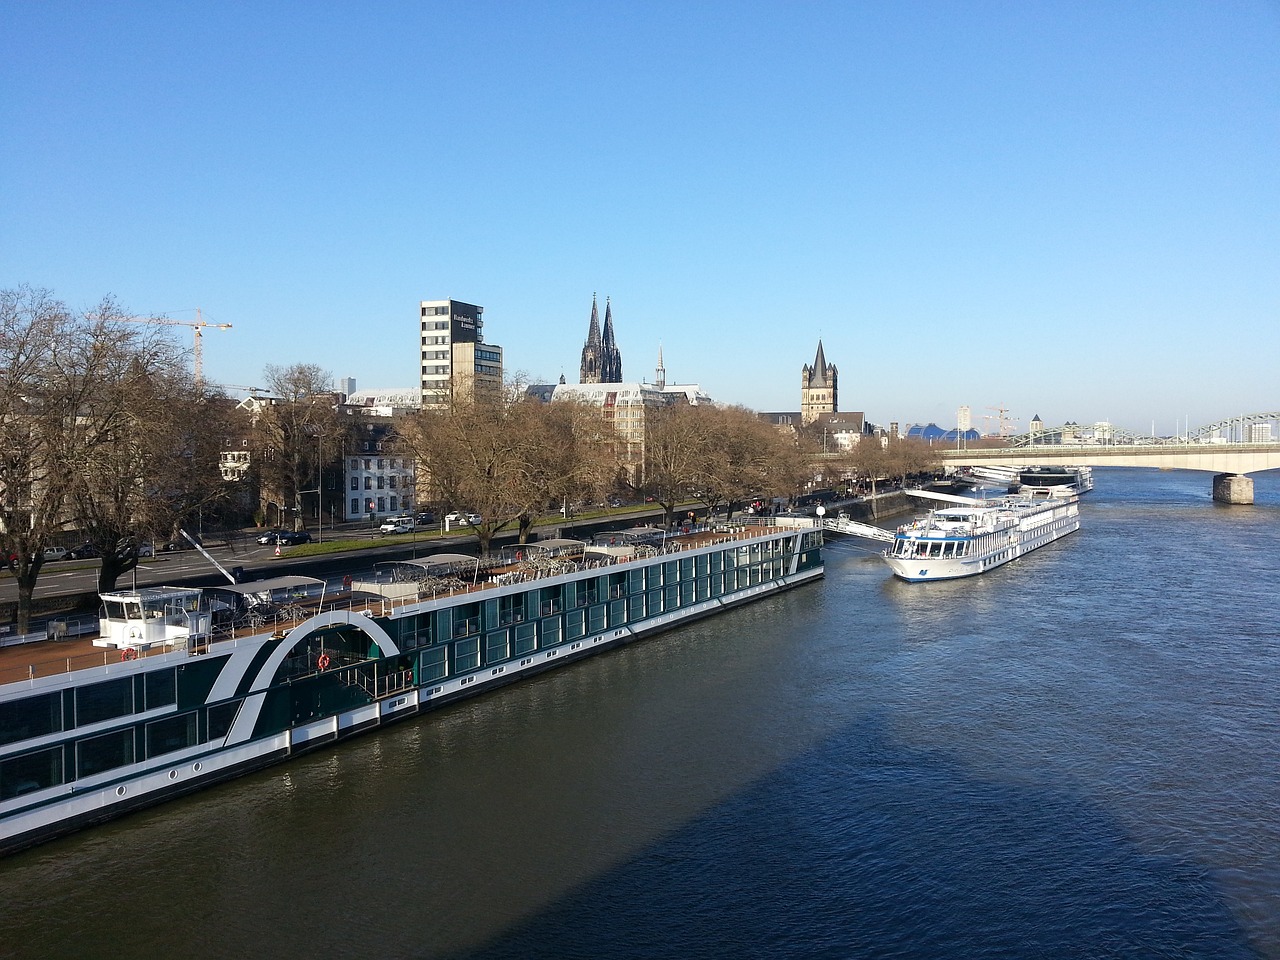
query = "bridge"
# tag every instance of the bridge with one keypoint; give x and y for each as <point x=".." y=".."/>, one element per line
<point x="1219" y="448"/>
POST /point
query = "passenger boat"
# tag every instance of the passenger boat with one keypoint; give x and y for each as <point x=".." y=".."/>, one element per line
<point x="967" y="537"/>
<point x="1052" y="481"/>
<point x="184" y="686"/>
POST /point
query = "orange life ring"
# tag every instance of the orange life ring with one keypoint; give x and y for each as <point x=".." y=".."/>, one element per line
<point x="323" y="661"/>
<point x="519" y="555"/>
<point x="128" y="653"/>
<point x="346" y="581"/>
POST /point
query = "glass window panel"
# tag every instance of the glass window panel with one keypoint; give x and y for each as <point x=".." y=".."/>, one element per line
<point x="30" y="717"/>
<point x="161" y="688"/>
<point x="466" y="654"/>
<point x="95" y="754"/>
<point x="171" y="733"/>
<point x="434" y="664"/>
<point x="30" y="772"/>
<point x="103" y="701"/>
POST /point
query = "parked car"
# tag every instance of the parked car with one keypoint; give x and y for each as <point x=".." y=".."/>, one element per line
<point x="459" y="518"/>
<point x="424" y="519"/>
<point x="56" y="553"/>
<point x="146" y="549"/>
<point x="397" y="525"/>
<point x="86" y="551"/>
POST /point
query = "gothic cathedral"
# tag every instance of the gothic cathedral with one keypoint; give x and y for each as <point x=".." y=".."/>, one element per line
<point x="601" y="359"/>
<point x="817" y="388"/>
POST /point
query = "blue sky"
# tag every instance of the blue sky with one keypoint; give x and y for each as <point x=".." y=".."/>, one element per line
<point x="1070" y="209"/>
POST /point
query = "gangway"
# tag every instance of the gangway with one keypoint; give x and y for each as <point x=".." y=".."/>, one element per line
<point x="853" y="528"/>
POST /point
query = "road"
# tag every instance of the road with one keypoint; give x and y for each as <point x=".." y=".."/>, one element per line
<point x="69" y="577"/>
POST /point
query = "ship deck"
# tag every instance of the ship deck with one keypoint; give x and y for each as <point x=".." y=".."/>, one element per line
<point x="43" y="658"/>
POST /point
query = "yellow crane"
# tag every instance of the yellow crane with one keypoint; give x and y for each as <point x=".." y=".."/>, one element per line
<point x="198" y="325"/>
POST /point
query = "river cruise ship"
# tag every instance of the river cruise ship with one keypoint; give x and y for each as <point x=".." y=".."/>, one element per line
<point x="1052" y="481"/>
<point x="966" y="537"/>
<point x="184" y="686"/>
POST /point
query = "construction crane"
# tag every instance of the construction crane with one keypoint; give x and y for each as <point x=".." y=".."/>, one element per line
<point x="1002" y="419"/>
<point x="197" y="326"/>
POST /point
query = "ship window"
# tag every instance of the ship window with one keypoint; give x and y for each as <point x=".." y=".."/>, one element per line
<point x="466" y="619"/>
<point x="102" y="701"/>
<point x="95" y="754"/>
<point x="434" y="665"/>
<point x="654" y="602"/>
<point x="617" y="585"/>
<point x="495" y="646"/>
<point x="30" y="717"/>
<point x="549" y="632"/>
<point x="575" y="624"/>
<point x="635" y="607"/>
<point x="161" y="688"/>
<point x="466" y="655"/>
<point x="221" y="717"/>
<point x="510" y="609"/>
<point x="671" y="597"/>
<point x="171" y="733"/>
<point x="525" y="639"/>
<point x="599" y="618"/>
<point x="552" y="599"/>
<point x="30" y="772"/>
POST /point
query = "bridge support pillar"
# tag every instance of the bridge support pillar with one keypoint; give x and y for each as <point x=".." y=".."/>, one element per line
<point x="1232" y="488"/>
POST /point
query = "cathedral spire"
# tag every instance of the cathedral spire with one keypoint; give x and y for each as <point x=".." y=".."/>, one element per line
<point x="610" y="355"/>
<point x="589" y="371"/>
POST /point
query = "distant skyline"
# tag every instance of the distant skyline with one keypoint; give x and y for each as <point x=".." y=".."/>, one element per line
<point x="1064" y="209"/>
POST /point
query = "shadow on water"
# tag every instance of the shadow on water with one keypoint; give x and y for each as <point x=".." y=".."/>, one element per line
<point x="1071" y="757"/>
<point x="867" y="848"/>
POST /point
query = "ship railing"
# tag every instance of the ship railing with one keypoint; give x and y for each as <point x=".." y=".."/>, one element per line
<point x="280" y="620"/>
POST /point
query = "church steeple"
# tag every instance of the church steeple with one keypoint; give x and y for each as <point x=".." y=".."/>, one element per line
<point x="589" y="371"/>
<point x="610" y="357"/>
<point x="601" y="359"/>
<point x="818" y="388"/>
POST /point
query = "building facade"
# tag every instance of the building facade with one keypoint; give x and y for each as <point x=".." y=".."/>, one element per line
<point x="601" y="358"/>
<point x="457" y="365"/>
<point x="379" y="482"/>
<point x="818" y="388"/>
<point x="626" y="409"/>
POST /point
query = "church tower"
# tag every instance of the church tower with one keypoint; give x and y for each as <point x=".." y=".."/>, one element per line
<point x="589" y="371"/>
<point x="818" y="387"/>
<point x="611" y="360"/>
<point x="601" y="359"/>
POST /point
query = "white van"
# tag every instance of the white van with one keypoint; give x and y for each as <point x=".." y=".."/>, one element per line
<point x="397" y="525"/>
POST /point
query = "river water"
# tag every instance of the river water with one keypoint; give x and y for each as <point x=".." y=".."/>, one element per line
<point x="1076" y="755"/>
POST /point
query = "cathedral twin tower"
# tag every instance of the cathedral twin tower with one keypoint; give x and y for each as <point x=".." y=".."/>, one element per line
<point x="601" y="359"/>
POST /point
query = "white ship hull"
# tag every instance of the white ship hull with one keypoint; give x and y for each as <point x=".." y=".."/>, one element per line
<point x="965" y="541"/>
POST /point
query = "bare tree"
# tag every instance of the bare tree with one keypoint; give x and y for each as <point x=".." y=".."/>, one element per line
<point x="505" y="458"/>
<point x="741" y="456"/>
<point x="37" y="414"/>
<point x="292" y="430"/>
<point x="83" y="401"/>
<point x="676" y="442"/>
